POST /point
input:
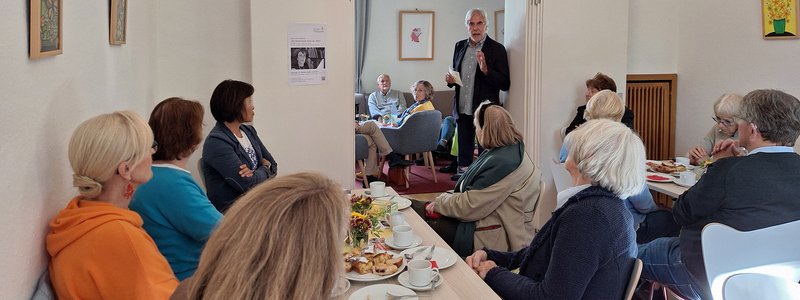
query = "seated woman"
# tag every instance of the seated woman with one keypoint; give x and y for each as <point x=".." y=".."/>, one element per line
<point x="587" y="249"/>
<point x="726" y="107"/>
<point x="423" y="94"/>
<point x="493" y="202"/>
<point x="234" y="158"/>
<point x="595" y="84"/>
<point x="176" y="212"/>
<point x="97" y="247"/>
<point x="606" y="104"/>
<point x="279" y="241"/>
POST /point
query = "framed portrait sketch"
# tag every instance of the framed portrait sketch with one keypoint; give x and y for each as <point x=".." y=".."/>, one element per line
<point x="779" y="19"/>
<point x="45" y="28"/>
<point x="117" y="33"/>
<point x="416" y="35"/>
<point x="499" y="26"/>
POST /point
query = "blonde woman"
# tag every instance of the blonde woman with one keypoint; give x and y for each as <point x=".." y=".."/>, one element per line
<point x="725" y="109"/>
<point x="281" y="240"/>
<point x="423" y="94"/>
<point x="97" y="247"/>
<point x="604" y="104"/>
<point x="493" y="203"/>
<point x="587" y="248"/>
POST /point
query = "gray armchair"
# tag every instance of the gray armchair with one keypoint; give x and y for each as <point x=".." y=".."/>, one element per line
<point x="418" y="134"/>
<point x="362" y="151"/>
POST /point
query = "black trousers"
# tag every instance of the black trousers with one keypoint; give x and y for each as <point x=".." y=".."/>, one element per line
<point x="466" y="139"/>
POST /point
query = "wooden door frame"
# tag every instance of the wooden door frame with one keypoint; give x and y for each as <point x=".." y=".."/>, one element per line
<point x="673" y="95"/>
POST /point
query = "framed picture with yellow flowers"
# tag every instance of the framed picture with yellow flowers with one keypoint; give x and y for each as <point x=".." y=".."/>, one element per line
<point x="779" y="19"/>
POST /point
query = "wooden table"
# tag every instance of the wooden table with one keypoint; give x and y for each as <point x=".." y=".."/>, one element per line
<point x="668" y="188"/>
<point x="460" y="281"/>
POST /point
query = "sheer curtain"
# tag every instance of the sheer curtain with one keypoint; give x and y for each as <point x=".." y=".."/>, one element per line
<point x="362" y="21"/>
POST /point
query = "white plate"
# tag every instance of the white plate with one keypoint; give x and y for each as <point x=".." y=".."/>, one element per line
<point x="416" y="242"/>
<point x="378" y="292"/>
<point x="444" y="257"/>
<point x="403" y="280"/>
<point x="678" y="182"/>
<point x="668" y="178"/>
<point x="354" y="276"/>
<point x="341" y="287"/>
<point x="402" y="203"/>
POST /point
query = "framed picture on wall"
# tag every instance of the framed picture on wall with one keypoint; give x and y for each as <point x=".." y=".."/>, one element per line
<point x="779" y="19"/>
<point x="118" y="20"/>
<point x="45" y="28"/>
<point x="416" y="35"/>
<point x="499" y="26"/>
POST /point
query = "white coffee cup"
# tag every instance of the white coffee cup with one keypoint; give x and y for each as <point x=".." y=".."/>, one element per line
<point x="397" y="219"/>
<point x="402" y="235"/>
<point x="421" y="273"/>
<point x="682" y="160"/>
<point x="687" y="177"/>
<point x="377" y="189"/>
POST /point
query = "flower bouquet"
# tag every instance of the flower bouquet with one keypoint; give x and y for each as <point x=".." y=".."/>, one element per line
<point x="364" y="220"/>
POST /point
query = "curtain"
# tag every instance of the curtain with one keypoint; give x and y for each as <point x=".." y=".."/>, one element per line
<point x="362" y="20"/>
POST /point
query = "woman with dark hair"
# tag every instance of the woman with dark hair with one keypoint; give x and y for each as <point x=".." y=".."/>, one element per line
<point x="595" y="84"/>
<point x="234" y="158"/>
<point x="175" y="210"/>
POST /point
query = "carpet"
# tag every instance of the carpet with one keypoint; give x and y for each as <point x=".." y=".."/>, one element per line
<point x="420" y="180"/>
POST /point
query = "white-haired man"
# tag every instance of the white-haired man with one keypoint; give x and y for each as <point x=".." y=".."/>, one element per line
<point x="386" y="101"/>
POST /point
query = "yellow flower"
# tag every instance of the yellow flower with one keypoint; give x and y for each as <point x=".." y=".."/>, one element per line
<point x="357" y="215"/>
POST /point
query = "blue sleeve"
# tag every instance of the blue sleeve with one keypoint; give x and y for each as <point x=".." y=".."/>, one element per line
<point x="575" y="258"/>
<point x="220" y="154"/>
<point x="510" y="260"/>
<point x="643" y="201"/>
<point x="562" y="154"/>
<point x="192" y="213"/>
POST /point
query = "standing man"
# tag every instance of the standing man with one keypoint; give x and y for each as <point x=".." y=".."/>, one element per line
<point x="483" y="64"/>
<point x="754" y="189"/>
<point x="386" y="101"/>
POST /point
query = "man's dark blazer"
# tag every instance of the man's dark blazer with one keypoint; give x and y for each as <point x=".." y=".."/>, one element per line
<point x="486" y="87"/>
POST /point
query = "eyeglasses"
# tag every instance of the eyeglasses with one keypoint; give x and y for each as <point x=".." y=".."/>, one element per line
<point x="723" y="122"/>
<point x="155" y="146"/>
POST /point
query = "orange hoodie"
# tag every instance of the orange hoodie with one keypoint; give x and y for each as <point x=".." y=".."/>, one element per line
<point x="100" y="251"/>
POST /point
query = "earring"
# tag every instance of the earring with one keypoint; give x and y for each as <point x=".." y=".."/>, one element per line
<point x="128" y="191"/>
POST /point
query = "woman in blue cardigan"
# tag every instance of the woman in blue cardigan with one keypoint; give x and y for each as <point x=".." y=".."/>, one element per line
<point x="587" y="248"/>
<point x="175" y="210"/>
<point x="234" y="158"/>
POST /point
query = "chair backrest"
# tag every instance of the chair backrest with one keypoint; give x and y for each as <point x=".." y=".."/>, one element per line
<point x="362" y="148"/>
<point x="442" y="101"/>
<point x="201" y="170"/>
<point x="361" y="101"/>
<point x="419" y="133"/>
<point x="560" y="175"/>
<point x="773" y="251"/>
<point x="747" y="286"/>
<point x="636" y="271"/>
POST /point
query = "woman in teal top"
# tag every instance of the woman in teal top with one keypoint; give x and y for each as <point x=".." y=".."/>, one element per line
<point x="176" y="212"/>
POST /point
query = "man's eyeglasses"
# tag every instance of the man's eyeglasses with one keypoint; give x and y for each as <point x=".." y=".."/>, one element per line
<point x="723" y="122"/>
<point x="155" y="146"/>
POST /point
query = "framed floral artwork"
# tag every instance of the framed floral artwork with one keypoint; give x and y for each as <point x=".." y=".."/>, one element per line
<point x="416" y="35"/>
<point x="46" y="28"/>
<point x="779" y="19"/>
<point x="118" y="20"/>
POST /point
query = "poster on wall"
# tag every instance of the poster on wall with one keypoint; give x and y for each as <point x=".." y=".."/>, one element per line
<point x="45" y="28"/>
<point x="779" y="19"/>
<point x="307" y="54"/>
<point x="416" y="35"/>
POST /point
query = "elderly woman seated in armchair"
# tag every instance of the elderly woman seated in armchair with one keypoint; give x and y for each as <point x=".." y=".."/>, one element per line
<point x="493" y="202"/>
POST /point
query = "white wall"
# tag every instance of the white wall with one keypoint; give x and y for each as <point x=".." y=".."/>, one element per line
<point x="200" y="44"/>
<point x="580" y="38"/>
<point x="653" y="37"/>
<point x="719" y="53"/>
<point x="382" y="40"/>
<point x="305" y="127"/>
<point x="43" y="101"/>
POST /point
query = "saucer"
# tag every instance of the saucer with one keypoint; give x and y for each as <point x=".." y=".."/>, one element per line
<point x="367" y="192"/>
<point x="378" y="291"/>
<point x="678" y="182"/>
<point x="403" y="280"/>
<point x="415" y="242"/>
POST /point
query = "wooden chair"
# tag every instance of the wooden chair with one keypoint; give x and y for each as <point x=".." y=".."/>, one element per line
<point x="634" y="280"/>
